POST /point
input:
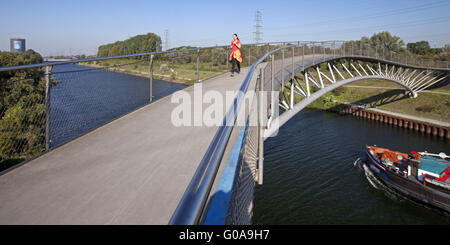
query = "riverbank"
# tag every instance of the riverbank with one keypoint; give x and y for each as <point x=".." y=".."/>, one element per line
<point x="434" y="106"/>
<point x="178" y="73"/>
<point x="428" y="113"/>
<point x="135" y="72"/>
<point x="428" y="126"/>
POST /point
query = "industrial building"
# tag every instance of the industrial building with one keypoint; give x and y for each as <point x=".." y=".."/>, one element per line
<point x="17" y="45"/>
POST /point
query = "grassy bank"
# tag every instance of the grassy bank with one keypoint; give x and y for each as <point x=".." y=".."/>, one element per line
<point x="185" y="73"/>
<point x="390" y="98"/>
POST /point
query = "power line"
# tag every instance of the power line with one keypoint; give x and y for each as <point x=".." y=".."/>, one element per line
<point x="338" y="20"/>
<point x="166" y="39"/>
<point x="410" y="24"/>
<point x="404" y="10"/>
<point x="258" y="25"/>
<point x="371" y="16"/>
<point x="428" y="35"/>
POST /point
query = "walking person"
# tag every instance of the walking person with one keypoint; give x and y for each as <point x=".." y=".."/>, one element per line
<point x="235" y="55"/>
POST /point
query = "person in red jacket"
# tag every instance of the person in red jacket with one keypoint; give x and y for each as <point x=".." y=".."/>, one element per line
<point x="235" y="55"/>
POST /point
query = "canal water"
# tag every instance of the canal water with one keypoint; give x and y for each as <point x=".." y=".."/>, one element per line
<point x="310" y="178"/>
<point x="86" y="98"/>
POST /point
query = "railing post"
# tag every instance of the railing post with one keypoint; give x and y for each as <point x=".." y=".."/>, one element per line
<point x="226" y="59"/>
<point x="334" y="48"/>
<point x="360" y="48"/>
<point x="151" y="78"/>
<point x="293" y="67"/>
<point x="260" y="128"/>
<point x="352" y="48"/>
<point x="303" y="56"/>
<point x="48" y="70"/>
<point x="198" y="61"/>
<point x="323" y="49"/>
<point x="249" y="61"/>
<point x="282" y="69"/>
<point x="272" y="79"/>
<point x="343" y="46"/>
<point x="368" y="50"/>
<point x="313" y="53"/>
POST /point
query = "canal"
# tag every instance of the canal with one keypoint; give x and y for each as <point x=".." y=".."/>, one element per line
<point x="309" y="176"/>
<point x="86" y="98"/>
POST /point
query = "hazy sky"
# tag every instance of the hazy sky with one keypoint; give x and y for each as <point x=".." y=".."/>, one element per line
<point x="55" y="27"/>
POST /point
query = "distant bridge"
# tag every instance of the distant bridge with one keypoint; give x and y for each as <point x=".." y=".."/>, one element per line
<point x="55" y="59"/>
<point x="141" y="169"/>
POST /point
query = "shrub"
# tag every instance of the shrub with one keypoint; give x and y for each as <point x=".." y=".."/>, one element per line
<point x="339" y="91"/>
<point x="164" y="68"/>
<point x="425" y="108"/>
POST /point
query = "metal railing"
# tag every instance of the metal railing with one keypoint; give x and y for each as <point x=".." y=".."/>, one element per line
<point x="47" y="104"/>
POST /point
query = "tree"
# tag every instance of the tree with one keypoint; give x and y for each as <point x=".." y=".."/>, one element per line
<point x="387" y="41"/>
<point x="22" y="106"/>
<point x="421" y="47"/>
<point x="383" y="42"/>
<point x="446" y="49"/>
<point x="149" y="42"/>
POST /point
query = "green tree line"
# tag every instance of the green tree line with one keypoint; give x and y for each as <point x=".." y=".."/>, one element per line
<point x="149" y="42"/>
<point x="22" y="107"/>
<point x="388" y="42"/>
<point x="424" y="49"/>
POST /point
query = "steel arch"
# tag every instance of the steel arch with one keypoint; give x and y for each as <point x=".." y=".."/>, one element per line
<point x="339" y="71"/>
<point x="288" y="114"/>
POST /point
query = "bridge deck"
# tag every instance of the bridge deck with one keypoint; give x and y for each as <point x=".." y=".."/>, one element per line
<point x="133" y="170"/>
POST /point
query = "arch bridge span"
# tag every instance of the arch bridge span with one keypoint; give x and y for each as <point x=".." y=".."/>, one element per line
<point x="301" y="80"/>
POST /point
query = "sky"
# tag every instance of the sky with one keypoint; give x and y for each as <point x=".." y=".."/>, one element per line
<point x="69" y="27"/>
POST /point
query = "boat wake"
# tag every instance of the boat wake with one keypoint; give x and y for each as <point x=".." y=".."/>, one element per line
<point x="371" y="178"/>
<point x="357" y="162"/>
<point x="377" y="184"/>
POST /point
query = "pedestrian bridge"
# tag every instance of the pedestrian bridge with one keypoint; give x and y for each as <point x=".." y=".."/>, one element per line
<point x="143" y="169"/>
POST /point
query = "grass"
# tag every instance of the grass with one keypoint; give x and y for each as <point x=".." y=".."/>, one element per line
<point x="426" y="105"/>
<point x="376" y="83"/>
<point x="387" y="96"/>
<point x="185" y="73"/>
